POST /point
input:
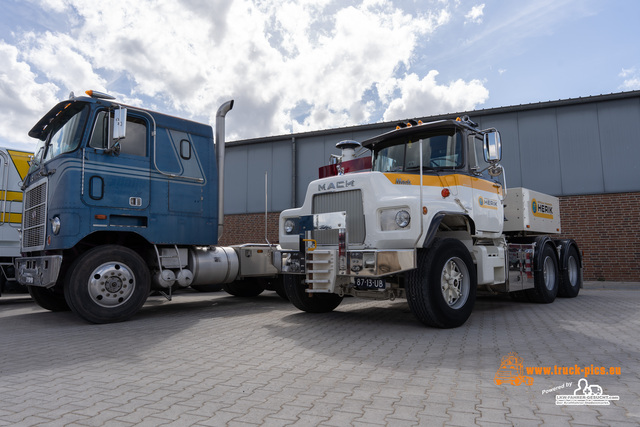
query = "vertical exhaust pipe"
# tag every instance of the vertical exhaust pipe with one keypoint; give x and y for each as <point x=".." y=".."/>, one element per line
<point x="219" y="141"/>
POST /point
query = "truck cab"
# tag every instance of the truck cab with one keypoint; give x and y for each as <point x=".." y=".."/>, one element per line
<point x="116" y="201"/>
<point x="426" y="223"/>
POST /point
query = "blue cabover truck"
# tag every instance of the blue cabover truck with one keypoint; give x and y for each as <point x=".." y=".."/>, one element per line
<point x="121" y="201"/>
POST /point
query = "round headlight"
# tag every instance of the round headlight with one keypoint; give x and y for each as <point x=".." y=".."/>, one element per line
<point x="403" y="219"/>
<point x="288" y="226"/>
<point x="55" y="225"/>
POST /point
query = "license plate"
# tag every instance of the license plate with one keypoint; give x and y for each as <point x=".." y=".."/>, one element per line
<point x="369" y="283"/>
<point x="28" y="279"/>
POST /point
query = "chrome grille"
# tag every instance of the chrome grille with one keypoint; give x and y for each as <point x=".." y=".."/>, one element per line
<point x="34" y="219"/>
<point x="349" y="201"/>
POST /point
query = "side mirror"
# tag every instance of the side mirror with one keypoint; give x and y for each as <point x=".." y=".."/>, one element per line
<point x="492" y="147"/>
<point x="119" y="126"/>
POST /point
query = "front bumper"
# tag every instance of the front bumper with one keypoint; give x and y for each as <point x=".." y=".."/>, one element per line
<point x="40" y="271"/>
<point x="359" y="263"/>
<point x="326" y="271"/>
<point x="327" y="266"/>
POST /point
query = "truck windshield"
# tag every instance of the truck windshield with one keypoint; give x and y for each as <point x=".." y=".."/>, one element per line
<point x="64" y="135"/>
<point x="439" y="151"/>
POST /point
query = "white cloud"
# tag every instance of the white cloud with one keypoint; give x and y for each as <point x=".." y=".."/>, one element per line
<point x="22" y="98"/>
<point x="627" y="72"/>
<point x="290" y="66"/>
<point x="421" y="97"/>
<point x="631" y="78"/>
<point x="475" y="14"/>
<point x="56" y="57"/>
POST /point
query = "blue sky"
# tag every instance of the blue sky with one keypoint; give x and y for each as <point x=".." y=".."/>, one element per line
<point x="294" y="66"/>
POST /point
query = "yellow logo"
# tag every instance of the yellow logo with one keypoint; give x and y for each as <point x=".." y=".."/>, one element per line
<point x="487" y="203"/>
<point x="541" y="210"/>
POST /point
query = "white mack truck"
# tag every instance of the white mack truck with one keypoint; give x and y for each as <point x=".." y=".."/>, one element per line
<point x="430" y="222"/>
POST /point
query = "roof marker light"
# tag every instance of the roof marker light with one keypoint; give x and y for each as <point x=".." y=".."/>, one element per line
<point x="100" y="95"/>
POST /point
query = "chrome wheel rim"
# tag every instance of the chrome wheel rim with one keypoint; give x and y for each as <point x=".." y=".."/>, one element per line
<point x="549" y="273"/>
<point x="573" y="270"/>
<point x="111" y="284"/>
<point x="455" y="283"/>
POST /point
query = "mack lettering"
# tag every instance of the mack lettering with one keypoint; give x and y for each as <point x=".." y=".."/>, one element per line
<point x="337" y="184"/>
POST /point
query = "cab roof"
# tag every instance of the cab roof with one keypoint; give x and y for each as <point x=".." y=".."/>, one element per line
<point x="413" y="129"/>
<point x="41" y="128"/>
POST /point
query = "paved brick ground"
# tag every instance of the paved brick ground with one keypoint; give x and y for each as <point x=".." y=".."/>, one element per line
<point x="213" y="359"/>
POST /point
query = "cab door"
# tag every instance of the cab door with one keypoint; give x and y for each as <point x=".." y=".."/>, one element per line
<point x="487" y="192"/>
<point x="118" y="177"/>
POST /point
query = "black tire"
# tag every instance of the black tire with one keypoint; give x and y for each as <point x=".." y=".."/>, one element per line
<point x="295" y="288"/>
<point x="244" y="288"/>
<point x="441" y="292"/>
<point x="207" y="288"/>
<point x="51" y="299"/>
<point x="546" y="278"/>
<point x="107" y="284"/>
<point x="277" y="284"/>
<point x="281" y="292"/>
<point x="570" y="278"/>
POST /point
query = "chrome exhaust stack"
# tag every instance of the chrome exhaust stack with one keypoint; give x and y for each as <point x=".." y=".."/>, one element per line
<point x="219" y="141"/>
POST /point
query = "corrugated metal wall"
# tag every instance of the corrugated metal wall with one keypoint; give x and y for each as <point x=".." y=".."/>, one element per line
<point x="570" y="147"/>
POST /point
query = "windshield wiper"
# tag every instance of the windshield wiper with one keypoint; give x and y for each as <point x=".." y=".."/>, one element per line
<point x="428" y="168"/>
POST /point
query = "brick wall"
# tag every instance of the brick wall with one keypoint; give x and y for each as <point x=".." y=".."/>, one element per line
<point x="249" y="228"/>
<point x="605" y="226"/>
<point x="607" y="230"/>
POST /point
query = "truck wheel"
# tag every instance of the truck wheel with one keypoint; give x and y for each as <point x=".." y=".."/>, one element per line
<point x="546" y="280"/>
<point x="570" y="280"/>
<point x="244" y="288"/>
<point x="107" y="284"/>
<point x="277" y="284"/>
<point x="50" y="299"/>
<point x="311" y="303"/>
<point x="441" y="292"/>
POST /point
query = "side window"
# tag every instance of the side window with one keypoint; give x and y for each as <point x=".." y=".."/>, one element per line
<point x="135" y="143"/>
<point x="477" y="156"/>
<point x="100" y="132"/>
<point x="184" y="148"/>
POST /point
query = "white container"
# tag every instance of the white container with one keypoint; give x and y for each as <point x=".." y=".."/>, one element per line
<point x="530" y="211"/>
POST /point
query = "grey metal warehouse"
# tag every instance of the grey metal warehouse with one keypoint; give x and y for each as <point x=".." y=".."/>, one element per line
<point x="584" y="150"/>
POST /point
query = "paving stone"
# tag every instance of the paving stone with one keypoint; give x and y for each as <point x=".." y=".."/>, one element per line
<point x="212" y="359"/>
